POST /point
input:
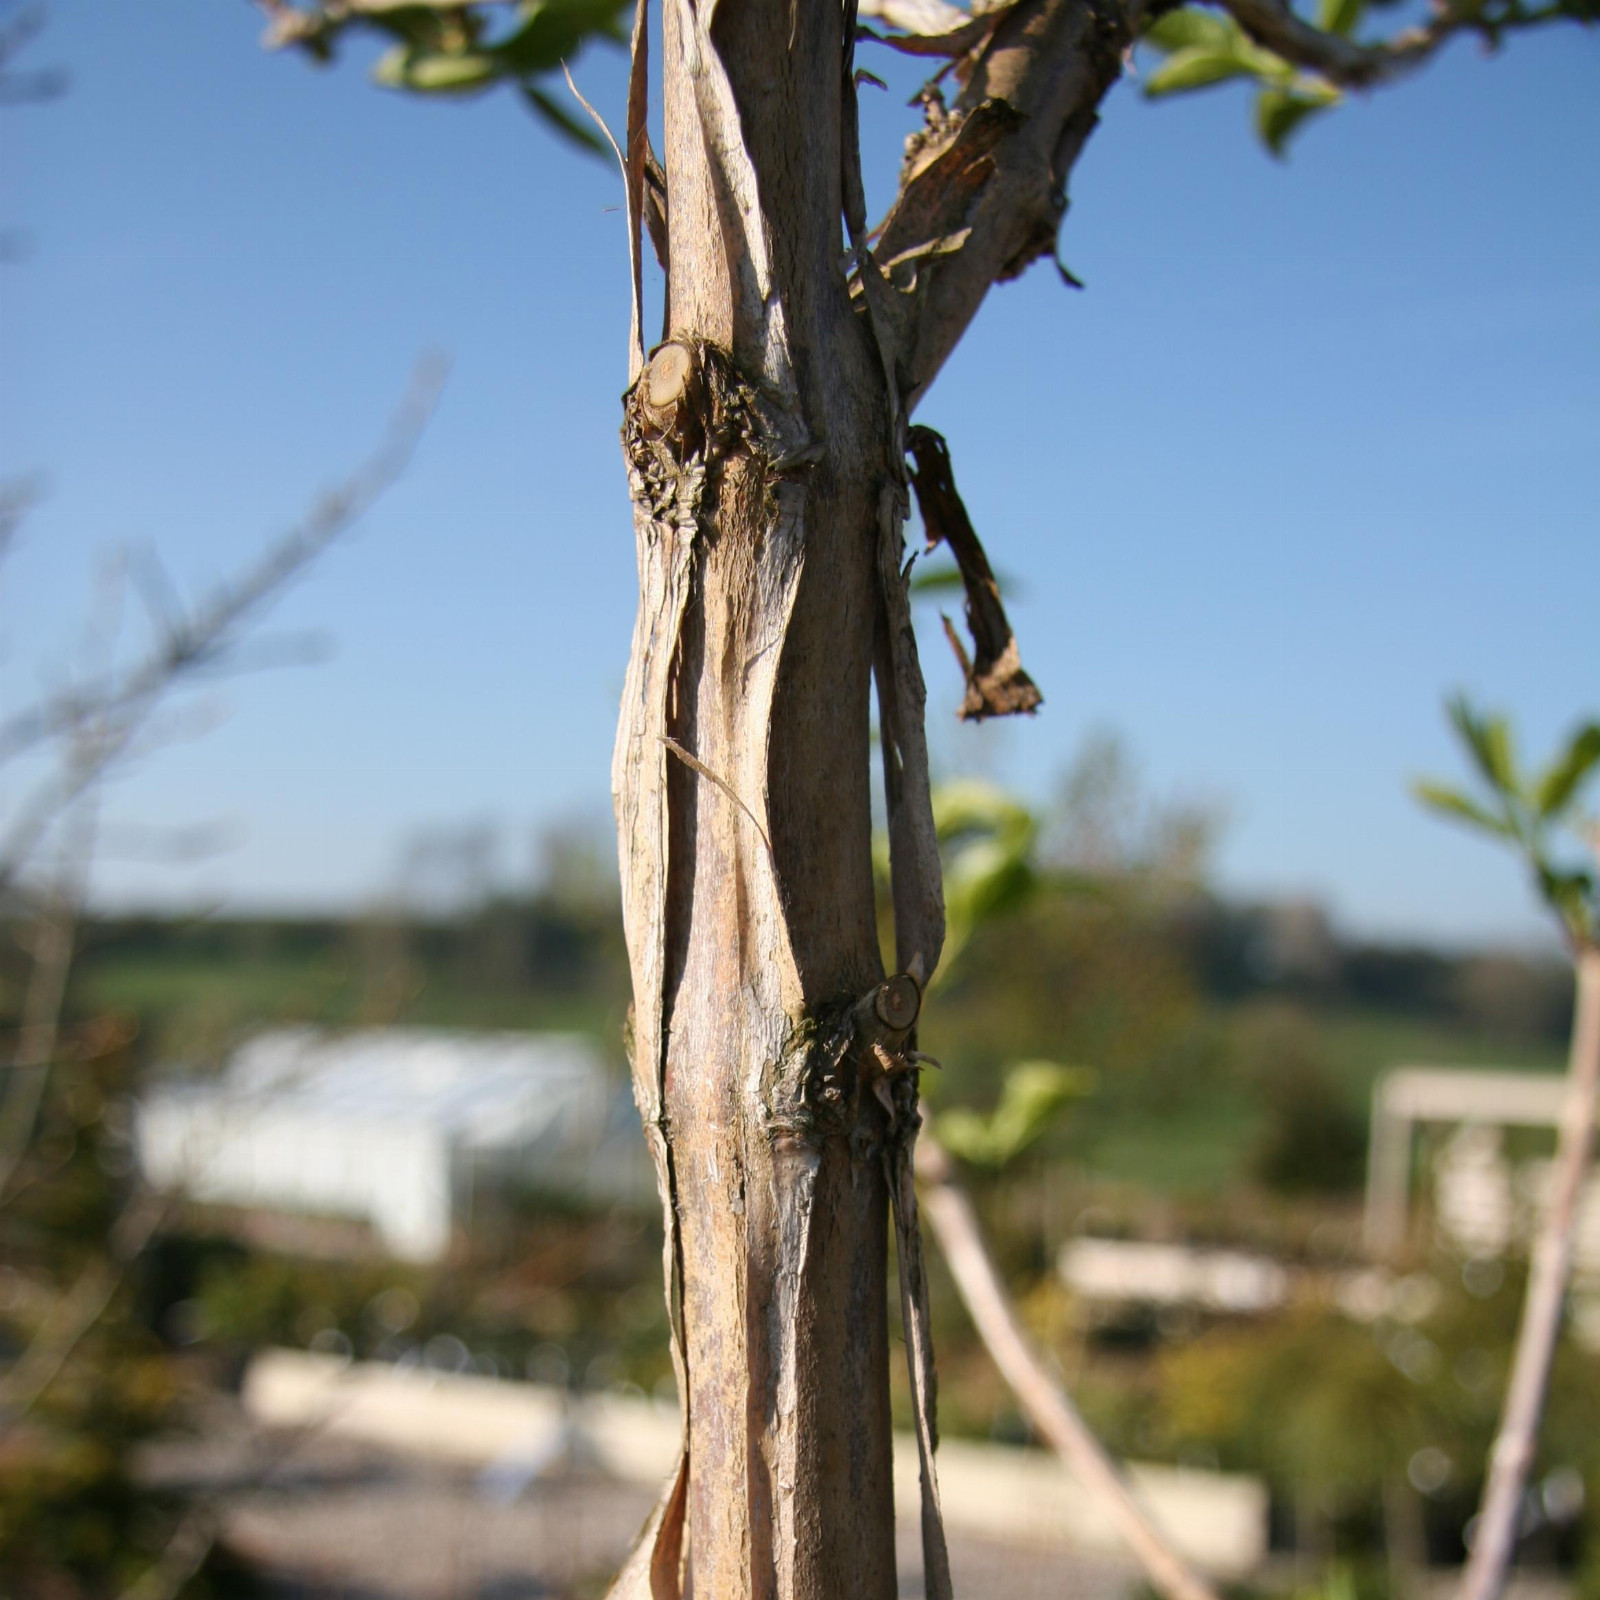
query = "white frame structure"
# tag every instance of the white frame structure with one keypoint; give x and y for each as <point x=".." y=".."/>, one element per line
<point x="1410" y="1096"/>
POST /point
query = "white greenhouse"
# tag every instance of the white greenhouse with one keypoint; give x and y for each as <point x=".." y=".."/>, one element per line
<point x="395" y="1127"/>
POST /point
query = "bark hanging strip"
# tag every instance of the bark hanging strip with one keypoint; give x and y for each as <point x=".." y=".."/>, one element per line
<point x="996" y="684"/>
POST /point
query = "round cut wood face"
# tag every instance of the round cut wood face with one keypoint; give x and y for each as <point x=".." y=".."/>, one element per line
<point x="898" y="1002"/>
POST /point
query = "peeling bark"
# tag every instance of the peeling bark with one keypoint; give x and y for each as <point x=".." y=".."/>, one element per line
<point x="996" y="684"/>
<point x="985" y="186"/>
<point x="758" y="445"/>
<point x="774" y="1066"/>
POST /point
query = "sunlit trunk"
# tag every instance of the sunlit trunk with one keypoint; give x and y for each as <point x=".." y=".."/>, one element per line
<point x="759" y="457"/>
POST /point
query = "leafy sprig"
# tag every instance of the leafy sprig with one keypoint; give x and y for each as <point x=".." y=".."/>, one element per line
<point x="989" y="840"/>
<point x="1202" y="47"/>
<point x="1536" y="813"/>
<point x="459" y="47"/>
<point x="1302" y="64"/>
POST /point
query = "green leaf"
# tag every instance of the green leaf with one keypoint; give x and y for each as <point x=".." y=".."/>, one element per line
<point x="435" y="72"/>
<point x="1196" y="67"/>
<point x="1564" y="776"/>
<point x="1574" y="896"/>
<point x="553" y="30"/>
<point x="1489" y="743"/>
<point x="562" y="120"/>
<point x="1035" y="1092"/>
<point x="546" y="33"/>
<point x="1464" y="809"/>
<point x="964" y="1134"/>
<point x="390" y="68"/>
<point x="942" y="579"/>
<point x="1340" y="16"/>
<point x="1281" y="109"/>
<point x="969" y="805"/>
<point x="987" y="839"/>
<point x="987" y="878"/>
<point x="1191" y="28"/>
<point x="1203" y="48"/>
<point x="936" y="580"/>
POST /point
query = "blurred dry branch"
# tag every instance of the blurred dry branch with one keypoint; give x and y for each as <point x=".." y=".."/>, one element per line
<point x="1517" y="1441"/>
<point x="26" y="88"/>
<point x="185" y="1553"/>
<point x="101" y="718"/>
<point x="1353" y="65"/>
<point x="77" y="1311"/>
<point x="54" y="932"/>
<point x="97" y="722"/>
<point x="1534" y="813"/>
<point x="950" y="1213"/>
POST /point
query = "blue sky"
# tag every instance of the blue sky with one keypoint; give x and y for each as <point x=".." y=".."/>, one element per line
<point x="1320" y="442"/>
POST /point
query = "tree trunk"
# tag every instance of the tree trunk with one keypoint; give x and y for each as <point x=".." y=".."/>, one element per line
<point x="761" y="463"/>
<point x="765" y="442"/>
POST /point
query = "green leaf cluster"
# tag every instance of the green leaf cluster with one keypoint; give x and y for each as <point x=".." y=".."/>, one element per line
<point x="1202" y="48"/>
<point x="1034" y="1093"/>
<point x="1528" y="811"/>
<point x="987" y="839"/>
<point x="462" y="50"/>
<point x="945" y="578"/>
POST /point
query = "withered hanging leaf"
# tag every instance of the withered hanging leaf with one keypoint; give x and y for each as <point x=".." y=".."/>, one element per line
<point x="996" y="684"/>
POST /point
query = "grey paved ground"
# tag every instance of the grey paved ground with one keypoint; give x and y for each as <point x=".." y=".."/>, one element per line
<point x="334" y="1520"/>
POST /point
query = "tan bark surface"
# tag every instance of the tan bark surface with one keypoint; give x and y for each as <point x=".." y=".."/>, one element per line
<point x="765" y="445"/>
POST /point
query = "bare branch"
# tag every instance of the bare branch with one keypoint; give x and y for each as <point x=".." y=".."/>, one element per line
<point x="949" y="1211"/>
<point x="26" y="88"/>
<point x="77" y="1311"/>
<point x="100" y="723"/>
<point x="54" y="936"/>
<point x="1340" y="60"/>
<point x="18" y="496"/>
<point x="983" y="189"/>
<point x="1351" y="65"/>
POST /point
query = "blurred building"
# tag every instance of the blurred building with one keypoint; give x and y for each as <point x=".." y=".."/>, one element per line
<point x="1129" y="1272"/>
<point x="399" y="1128"/>
<point x="1485" y="1201"/>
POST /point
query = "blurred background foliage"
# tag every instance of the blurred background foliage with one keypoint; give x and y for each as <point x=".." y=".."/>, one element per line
<point x="1125" y="1053"/>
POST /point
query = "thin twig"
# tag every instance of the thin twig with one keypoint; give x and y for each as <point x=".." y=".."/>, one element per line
<point x="1354" y="65"/>
<point x="193" y="643"/>
<point x="193" y="1539"/>
<point x="184" y="1555"/>
<point x="599" y="121"/>
<point x="18" y="496"/>
<point x="1512" y="1454"/>
<point x="77" y="1311"/>
<point x="55" y="933"/>
<point x="949" y="1211"/>
<point x="696" y="765"/>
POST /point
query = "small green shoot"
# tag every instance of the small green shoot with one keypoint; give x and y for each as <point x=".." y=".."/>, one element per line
<point x="1531" y="812"/>
<point x="1034" y="1093"/>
